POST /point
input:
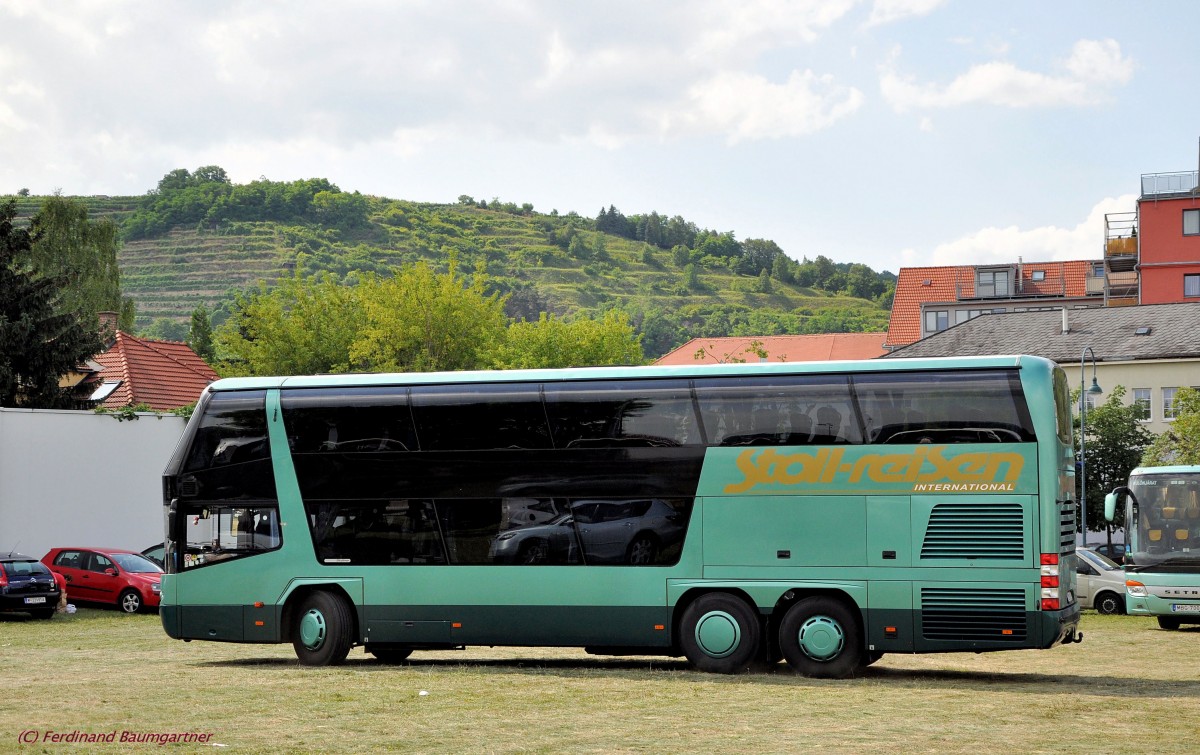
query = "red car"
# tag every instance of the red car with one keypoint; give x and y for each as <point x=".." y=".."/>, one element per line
<point x="107" y="575"/>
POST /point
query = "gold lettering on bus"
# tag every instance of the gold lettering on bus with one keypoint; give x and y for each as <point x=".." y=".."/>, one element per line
<point x="925" y="469"/>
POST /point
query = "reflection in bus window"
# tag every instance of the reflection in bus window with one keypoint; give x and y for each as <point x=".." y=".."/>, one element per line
<point x="218" y="533"/>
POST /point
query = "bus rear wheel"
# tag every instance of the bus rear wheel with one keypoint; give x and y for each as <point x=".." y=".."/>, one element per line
<point x="1166" y="622"/>
<point x="719" y="633"/>
<point x="323" y="630"/>
<point x="819" y="637"/>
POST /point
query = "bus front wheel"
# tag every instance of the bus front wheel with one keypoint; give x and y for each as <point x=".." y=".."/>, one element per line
<point x="323" y="631"/>
<point x="719" y="633"/>
<point x="819" y="637"/>
<point x="1167" y="622"/>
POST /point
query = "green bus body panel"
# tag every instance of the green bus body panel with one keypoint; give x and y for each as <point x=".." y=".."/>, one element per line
<point x="811" y="530"/>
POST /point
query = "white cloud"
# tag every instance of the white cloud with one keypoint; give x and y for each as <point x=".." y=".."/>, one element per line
<point x="1092" y="68"/>
<point x="887" y="11"/>
<point x="1044" y="244"/>
<point x="746" y="107"/>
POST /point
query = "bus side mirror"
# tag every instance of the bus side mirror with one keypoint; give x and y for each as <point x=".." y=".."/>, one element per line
<point x="1110" y="506"/>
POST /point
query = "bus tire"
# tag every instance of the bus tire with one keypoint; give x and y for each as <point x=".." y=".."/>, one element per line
<point x="324" y="630"/>
<point x="719" y="633"/>
<point x="1110" y="604"/>
<point x="1168" y="622"/>
<point x="390" y="654"/>
<point x="819" y="637"/>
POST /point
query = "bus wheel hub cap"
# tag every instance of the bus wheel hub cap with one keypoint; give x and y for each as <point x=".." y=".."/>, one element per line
<point x="312" y="630"/>
<point x="718" y="634"/>
<point x="821" y="638"/>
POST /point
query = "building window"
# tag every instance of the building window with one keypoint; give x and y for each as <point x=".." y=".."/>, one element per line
<point x="992" y="283"/>
<point x="1169" y="403"/>
<point x="1141" y="399"/>
<point x="1039" y="275"/>
<point x="1191" y="285"/>
<point x="936" y="322"/>
<point x="1191" y="222"/>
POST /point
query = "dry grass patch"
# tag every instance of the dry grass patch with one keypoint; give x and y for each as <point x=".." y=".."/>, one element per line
<point x="1134" y="687"/>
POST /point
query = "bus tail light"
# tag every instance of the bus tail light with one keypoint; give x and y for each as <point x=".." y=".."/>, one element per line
<point x="1051" y="599"/>
<point x="1135" y="588"/>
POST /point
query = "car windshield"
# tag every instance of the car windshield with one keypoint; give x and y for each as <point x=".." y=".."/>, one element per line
<point x="1104" y="561"/>
<point x="24" y="568"/>
<point x="136" y="563"/>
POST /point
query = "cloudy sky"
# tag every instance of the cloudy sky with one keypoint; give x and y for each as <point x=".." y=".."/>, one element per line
<point x="888" y="132"/>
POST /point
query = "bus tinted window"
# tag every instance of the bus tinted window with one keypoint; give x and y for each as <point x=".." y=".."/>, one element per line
<point x="230" y="455"/>
<point x="791" y="410"/>
<point x="623" y="413"/>
<point x="375" y="532"/>
<point x="233" y="430"/>
<point x="479" y="417"/>
<point x="638" y="532"/>
<point x="348" y="420"/>
<point x="519" y="531"/>
<point x="944" y="407"/>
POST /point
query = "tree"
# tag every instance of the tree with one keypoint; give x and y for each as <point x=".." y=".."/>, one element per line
<point x="302" y="326"/>
<point x="39" y="341"/>
<point x="1179" y="443"/>
<point x="83" y="252"/>
<point x="200" y="337"/>
<point x="421" y="320"/>
<point x="551" y="342"/>
<point x="1115" y="441"/>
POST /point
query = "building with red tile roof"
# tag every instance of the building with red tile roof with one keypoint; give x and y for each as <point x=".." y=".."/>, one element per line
<point x="809" y="348"/>
<point x="931" y="299"/>
<point x="160" y="374"/>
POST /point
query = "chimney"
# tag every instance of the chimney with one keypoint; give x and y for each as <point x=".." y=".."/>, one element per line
<point x="108" y="324"/>
<point x="1066" y="327"/>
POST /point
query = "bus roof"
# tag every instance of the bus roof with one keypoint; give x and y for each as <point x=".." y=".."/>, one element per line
<point x="1180" y="469"/>
<point x="625" y="372"/>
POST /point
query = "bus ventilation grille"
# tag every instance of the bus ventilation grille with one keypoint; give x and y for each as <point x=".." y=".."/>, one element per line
<point x="973" y="615"/>
<point x="1066" y="528"/>
<point x="975" y="530"/>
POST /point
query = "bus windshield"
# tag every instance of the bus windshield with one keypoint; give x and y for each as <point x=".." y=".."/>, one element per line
<point x="1167" y="527"/>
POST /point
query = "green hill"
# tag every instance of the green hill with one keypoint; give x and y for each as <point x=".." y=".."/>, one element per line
<point x="197" y="242"/>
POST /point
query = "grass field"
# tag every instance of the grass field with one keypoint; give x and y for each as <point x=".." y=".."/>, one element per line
<point x="1130" y="687"/>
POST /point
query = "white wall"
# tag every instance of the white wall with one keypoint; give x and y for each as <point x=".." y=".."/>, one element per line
<point x="82" y="479"/>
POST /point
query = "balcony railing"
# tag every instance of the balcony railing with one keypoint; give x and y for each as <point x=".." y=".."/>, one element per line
<point x="1158" y="184"/>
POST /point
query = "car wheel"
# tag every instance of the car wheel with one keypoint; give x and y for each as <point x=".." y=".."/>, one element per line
<point x="1166" y="622"/>
<point x="819" y="637"/>
<point x="323" y="630"/>
<point x="130" y="601"/>
<point x="720" y="634"/>
<point x="1109" y="603"/>
<point x="390" y="654"/>
<point x="534" y="552"/>
<point x="642" y="550"/>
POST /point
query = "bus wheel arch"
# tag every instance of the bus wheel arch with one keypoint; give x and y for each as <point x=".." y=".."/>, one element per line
<point x="821" y="634"/>
<point x="720" y="631"/>
<point x="321" y="625"/>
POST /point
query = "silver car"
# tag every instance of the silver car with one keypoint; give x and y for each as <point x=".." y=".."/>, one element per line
<point x="1100" y="582"/>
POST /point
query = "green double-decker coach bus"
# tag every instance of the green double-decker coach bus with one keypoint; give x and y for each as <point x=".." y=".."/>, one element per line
<point x="822" y="513"/>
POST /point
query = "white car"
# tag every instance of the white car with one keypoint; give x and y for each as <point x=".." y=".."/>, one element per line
<point x="1100" y="583"/>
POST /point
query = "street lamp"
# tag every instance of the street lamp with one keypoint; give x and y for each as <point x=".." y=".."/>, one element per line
<point x="1095" y="389"/>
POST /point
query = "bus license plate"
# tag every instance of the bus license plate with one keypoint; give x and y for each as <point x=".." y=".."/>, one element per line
<point x="31" y="601"/>
<point x="1185" y="608"/>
